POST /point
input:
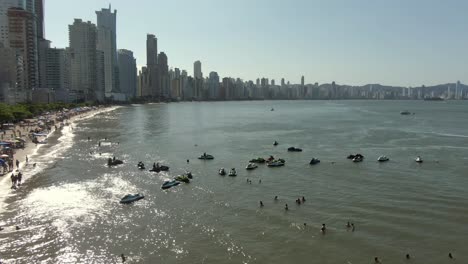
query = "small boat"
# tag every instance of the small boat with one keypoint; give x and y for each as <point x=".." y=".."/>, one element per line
<point x="233" y="172"/>
<point x="314" y="161"/>
<point x="222" y="172"/>
<point x="130" y="198"/>
<point x="294" y="149"/>
<point x="275" y="143"/>
<point x="276" y="163"/>
<point x="251" y="166"/>
<point x="169" y="184"/>
<point x="383" y="159"/>
<point x="257" y="160"/>
<point x="182" y="178"/>
<point x="405" y="113"/>
<point x="206" y="157"/>
<point x="418" y="159"/>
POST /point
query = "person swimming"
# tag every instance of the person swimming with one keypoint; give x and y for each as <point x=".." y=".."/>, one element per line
<point x="286" y="207"/>
<point x="407" y="256"/>
<point x="348" y="225"/>
<point x="352" y="224"/>
<point x="276" y="198"/>
<point x="376" y="260"/>
<point x="323" y="229"/>
<point x="261" y="203"/>
<point x="123" y="258"/>
<point x="303" y="199"/>
<point x="450" y="255"/>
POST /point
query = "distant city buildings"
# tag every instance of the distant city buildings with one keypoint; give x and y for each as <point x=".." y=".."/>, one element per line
<point x="92" y="68"/>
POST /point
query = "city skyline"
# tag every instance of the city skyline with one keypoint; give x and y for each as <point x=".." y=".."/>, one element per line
<point x="398" y="43"/>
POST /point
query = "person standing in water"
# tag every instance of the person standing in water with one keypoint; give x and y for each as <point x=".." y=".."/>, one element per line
<point x="323" y="229"/>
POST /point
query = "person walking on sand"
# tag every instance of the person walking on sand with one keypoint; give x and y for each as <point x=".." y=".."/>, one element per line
<point x="27" y="159"/>
<point x="17" y="164"/>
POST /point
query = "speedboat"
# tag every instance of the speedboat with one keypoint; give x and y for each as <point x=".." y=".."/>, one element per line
<point x="251" y="166"/>
<point x="222" y="172"/>
<point x="383" y="159"/>
<point x="130" y="198"/>
<point x="182" y="178"/>
<point x="294" y="149"/>
<point x="257" y="160"/>
<point x="276" y="163"/>
<point x="314" y="161"/>
<point x="233" y="172"/>
<point x="418" y="159"/>
<point x="206" y="157"/>
<point x="169" y="184"/>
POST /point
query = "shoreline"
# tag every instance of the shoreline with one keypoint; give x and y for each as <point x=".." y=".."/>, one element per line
<point x="31" y="150"/>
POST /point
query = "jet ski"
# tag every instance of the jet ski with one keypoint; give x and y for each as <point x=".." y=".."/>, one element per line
<point x="169" y="184"/>
<point x="130" y="198"/>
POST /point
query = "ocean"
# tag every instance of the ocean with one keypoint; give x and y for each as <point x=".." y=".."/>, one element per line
<point x="69" y="212"/>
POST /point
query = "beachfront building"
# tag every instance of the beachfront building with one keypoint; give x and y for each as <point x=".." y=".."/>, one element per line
<point x="127" y="73"/>
<point x="83" y="60"/>
<point x="22" y="40"/>
<point x="7" y="74"/>
<point x="154" y="90"/>
<point x="164" y="82"/>
<point x="107" y="43"/>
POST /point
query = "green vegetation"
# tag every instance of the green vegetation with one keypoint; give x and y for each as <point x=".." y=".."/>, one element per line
<point x="18" y="112"/>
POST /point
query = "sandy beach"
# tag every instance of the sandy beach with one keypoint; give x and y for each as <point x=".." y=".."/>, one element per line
<point x="31" y="148"/>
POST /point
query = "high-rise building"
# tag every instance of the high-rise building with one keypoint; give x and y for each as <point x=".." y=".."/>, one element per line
<point x="4" y="21"/>
<point x="197" y="70"/>
<point x="107" y="43"/>
<point x="22" y="40"/>
<point x="57" y="69"/>
<point x="213" y="86"/>
<point x="152" y="66"/>
<point x="42" y="46"/>
<point x="282" y="82"/>
<point x="127" y="73"/>
<point x="163" y="70"/>
<point x="7" y="74"/>
<point x="83" y="60"/>
<point x="39" y="13"/>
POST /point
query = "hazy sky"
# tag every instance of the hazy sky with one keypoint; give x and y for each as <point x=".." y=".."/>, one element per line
<point x="395" y="42"/>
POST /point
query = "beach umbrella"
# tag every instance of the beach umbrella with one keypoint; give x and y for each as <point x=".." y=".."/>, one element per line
<point x="4" y="156"/>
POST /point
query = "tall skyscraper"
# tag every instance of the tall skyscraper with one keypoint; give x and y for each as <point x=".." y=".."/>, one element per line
<point x="127" y="73"/>
<point x="213" y="86"/>
<point x="22" y="40"/>
<point x="39" y="14"/>
<point x="163" y="76"/>
<point x="83" y="59"/>
<point x="7" y="74"/>
<point x="152" y="66"/>
<point x="197" y="70"/>
<point x="107" y="43"/>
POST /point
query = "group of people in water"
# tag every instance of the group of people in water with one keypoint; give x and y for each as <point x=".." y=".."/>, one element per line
<point x="16" y="179"/>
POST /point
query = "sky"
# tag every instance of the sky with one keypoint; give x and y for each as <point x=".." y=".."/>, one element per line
<point x="355" y="42"/>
